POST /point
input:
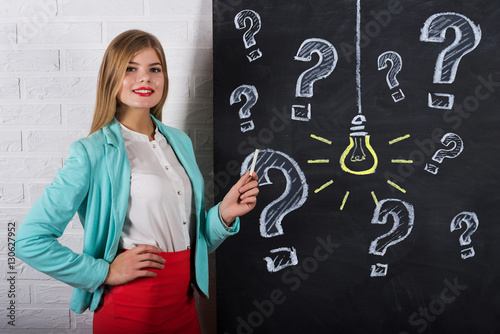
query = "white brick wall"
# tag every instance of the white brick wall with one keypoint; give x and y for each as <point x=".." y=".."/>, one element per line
<point x="50" y="52"/>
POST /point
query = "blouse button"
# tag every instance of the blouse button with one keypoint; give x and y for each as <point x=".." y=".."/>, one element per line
<point x="154" y="146"/>
<point x="179" y="192"/>
<point x="184" y="222"/>
<point x="166" y="167"/>
<point x="188" y="247"/>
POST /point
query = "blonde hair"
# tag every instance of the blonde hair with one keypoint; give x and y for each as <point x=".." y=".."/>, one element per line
<point x="113" y="69"/>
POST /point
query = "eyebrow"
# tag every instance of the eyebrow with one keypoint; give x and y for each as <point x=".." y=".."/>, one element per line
<point x="153" y="64"/>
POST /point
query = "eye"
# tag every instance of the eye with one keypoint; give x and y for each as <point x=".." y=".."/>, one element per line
<point x="155" y="70"/>
<point x="130" y="69"/>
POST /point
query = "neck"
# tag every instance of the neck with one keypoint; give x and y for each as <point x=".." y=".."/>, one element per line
<point x="138" y="120"/>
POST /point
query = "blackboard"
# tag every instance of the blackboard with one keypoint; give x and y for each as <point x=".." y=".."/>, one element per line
<point x="422" y="165"/>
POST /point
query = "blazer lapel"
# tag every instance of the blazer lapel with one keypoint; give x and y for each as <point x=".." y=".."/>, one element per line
<point x="119" y="176"/>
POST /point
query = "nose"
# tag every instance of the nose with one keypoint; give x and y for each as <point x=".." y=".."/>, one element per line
<point x="144" y="76"/>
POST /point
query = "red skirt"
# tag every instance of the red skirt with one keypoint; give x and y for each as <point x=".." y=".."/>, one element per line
<point x="150" y="305"/>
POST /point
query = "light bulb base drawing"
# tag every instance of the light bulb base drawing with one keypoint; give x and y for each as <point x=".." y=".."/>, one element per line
<point x="359" y="157"/>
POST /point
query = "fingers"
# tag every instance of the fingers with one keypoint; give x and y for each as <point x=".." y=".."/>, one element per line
<point x="145" y="257"/>
<point x="249" y="200"/>
<point x="145" y="273"/>
<point x="146" y="249"/>
<point x="249" y="196"/>
<point x="249" y="190"/>
<point x="134" y="263"/>
<point x="243" y="192"/>
<point x="246" y="182"/>
<point x="149" y="260"/>
<point x="248" y="186"/>
<point x="245" y="178"/>
<point x="249" y="179"/>
<point x="254" y="176"/>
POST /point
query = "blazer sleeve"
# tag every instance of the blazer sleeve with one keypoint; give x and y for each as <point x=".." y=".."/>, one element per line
<point x="36" y="238"/>
<point x="215" y="230"/>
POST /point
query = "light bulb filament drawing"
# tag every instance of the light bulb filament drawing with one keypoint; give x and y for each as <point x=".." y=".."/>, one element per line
<point x="357" y="153"/>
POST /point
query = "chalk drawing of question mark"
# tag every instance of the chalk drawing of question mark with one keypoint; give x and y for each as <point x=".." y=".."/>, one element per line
<point x="467" y="38"/>
<point x="472" y="222"/>
<point x="328" y="58"/>
<point x="456" y="147"/>
<point x="251" y="94"/>
<point x="249" y="36"/>
<point x="403" y="216"/>
<point x="282" y="257"/>
<point x="396" y="64"/>
<point x="293" y="197"/>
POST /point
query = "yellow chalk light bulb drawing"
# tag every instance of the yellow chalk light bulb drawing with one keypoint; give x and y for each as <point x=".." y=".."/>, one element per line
<point x="359" y="157"/>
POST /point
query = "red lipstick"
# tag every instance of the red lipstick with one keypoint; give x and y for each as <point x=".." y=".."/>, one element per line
<point x="144" y="91"/>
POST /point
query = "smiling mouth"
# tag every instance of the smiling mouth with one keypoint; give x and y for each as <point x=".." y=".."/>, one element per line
<point x="142" y="91"/>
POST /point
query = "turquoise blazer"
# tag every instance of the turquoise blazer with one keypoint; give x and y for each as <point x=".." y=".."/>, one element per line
<point x="95" y="183"/>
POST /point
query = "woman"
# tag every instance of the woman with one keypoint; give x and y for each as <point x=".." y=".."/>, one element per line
<point x="139" y="195"/>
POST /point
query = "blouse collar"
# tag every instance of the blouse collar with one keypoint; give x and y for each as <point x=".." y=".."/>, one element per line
<point x="133" y="136"/>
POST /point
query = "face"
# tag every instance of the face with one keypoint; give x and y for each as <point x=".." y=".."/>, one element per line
<point x="142" y="87"/>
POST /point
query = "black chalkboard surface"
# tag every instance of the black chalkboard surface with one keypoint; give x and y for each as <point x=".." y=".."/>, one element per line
<point x="379" y="166"/>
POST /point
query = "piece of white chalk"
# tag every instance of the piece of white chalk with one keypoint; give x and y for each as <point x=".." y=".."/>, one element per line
<point x="254" y="161"/>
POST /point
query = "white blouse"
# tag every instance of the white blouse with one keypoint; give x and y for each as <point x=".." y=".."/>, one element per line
<point x="160" y="211"/>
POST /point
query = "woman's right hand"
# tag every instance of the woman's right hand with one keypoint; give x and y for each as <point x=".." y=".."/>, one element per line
<point x="132" y="264"/>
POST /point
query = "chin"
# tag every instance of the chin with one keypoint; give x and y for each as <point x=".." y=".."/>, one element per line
<point x="145" y="105"/>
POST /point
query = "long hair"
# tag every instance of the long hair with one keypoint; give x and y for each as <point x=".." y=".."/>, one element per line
<point x="113" y="69"/>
